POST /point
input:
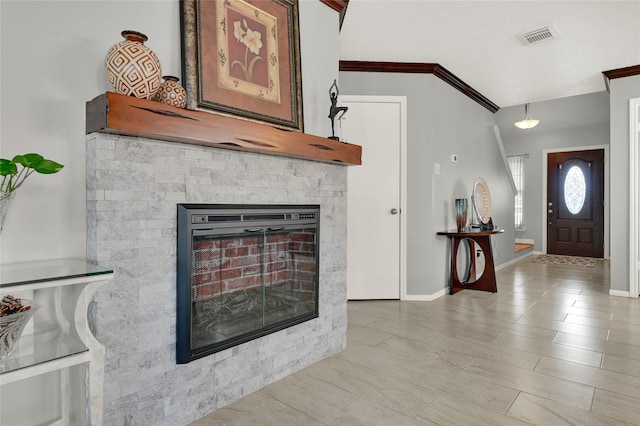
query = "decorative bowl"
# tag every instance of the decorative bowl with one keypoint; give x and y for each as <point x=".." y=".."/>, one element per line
<point x="481" y="200"/>
<point x="12" y="326"/>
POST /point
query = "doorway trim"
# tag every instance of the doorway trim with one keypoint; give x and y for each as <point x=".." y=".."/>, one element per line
<point x="634" y="199"/>
<point x="402" y="101"/>
<point x="545" y="153"/>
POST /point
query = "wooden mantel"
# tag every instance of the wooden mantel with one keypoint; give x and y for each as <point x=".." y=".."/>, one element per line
<point x="130" y="116"/>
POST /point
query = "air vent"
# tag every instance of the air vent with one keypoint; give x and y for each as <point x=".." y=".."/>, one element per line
<point x="538" y="35"/>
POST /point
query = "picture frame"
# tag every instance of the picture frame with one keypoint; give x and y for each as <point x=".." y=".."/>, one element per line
<point x="242" y="58"/>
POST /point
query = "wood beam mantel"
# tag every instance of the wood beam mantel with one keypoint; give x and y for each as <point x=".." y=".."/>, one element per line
<point x="126" y="115"/>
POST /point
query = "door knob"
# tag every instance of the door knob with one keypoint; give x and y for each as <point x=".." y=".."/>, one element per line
<point x="394" y="211"/>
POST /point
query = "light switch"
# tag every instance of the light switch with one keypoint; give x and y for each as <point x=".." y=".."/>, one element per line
<point x="436" y="169"/>
<point x="454" y="158"/>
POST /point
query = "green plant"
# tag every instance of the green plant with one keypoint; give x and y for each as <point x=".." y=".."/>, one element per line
<point x="14" y="172"/>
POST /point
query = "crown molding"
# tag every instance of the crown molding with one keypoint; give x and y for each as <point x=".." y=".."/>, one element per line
<point x="421" y="68"/>
<point x="619" y="73"/>
<point x="339" y="5"/>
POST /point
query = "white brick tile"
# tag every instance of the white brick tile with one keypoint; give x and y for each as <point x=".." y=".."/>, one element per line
<point x="134" y="186"/>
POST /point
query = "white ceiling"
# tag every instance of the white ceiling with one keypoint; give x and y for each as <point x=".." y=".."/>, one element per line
<point x="478" y="42"/>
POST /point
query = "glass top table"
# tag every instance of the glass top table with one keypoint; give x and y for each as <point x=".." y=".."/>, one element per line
<point x="57" y="345"/>
<point x="21" y="273"/>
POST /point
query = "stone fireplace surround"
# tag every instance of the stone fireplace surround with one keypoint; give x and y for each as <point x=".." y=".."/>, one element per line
<point x="133" y="186"/>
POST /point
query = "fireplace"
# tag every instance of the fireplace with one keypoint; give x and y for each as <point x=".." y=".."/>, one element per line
<point x="132" y="227"/>
<point x="243" y="271"/>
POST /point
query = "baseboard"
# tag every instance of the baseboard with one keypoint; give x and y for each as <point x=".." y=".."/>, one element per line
<point x="512" y="261"/>
<point x="619" y="293"/>
<point x="425" y="297"/>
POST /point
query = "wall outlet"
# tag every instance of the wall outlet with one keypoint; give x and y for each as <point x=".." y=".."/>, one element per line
<point x="436" y="169"/>
<point x="454" y="158"/>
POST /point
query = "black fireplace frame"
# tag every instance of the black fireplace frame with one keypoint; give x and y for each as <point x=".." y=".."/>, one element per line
<point x="294" y="213"/>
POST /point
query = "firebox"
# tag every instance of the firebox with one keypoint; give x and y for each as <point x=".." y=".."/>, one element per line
<point x="243" y="271"/>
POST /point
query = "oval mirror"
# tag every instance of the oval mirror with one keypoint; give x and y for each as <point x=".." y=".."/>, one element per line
<point x="470" y="261"/>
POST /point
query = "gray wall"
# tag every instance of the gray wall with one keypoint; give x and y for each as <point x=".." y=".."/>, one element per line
<point x="577" y="121"/>
<point x="441" y="121"/>
<point x="52" y="55"/>
<point x="622" y="90"/>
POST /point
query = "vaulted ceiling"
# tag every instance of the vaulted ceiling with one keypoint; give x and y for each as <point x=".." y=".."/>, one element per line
<point x="479" y="42"/>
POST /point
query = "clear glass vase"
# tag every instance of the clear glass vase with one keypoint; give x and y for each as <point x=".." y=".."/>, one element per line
<point x="5" y="201"/>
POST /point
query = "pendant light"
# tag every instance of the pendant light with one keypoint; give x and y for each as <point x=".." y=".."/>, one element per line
<point x="527" y="122"/>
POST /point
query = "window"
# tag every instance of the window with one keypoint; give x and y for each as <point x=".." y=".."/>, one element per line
<point x="575" y="190"/>
<point x="516" y="164"/>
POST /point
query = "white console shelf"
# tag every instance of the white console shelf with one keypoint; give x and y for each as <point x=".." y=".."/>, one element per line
<point x="57" y="339"/>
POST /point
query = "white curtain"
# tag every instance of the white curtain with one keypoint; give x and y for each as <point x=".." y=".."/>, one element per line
<point x="516" y="164"/>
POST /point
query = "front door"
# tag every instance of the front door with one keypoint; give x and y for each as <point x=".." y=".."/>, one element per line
<point x="374" y="196"/>
<point x="575" y="203"/>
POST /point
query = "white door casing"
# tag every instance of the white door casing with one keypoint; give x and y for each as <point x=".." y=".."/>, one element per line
<point x="634" y="197"/>
<point x="375" y="235"/>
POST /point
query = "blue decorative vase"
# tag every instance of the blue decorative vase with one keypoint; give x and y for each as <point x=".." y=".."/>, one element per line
<point x="461" y="214"/>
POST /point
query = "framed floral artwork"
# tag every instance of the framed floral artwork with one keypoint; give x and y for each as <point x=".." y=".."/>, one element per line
<point x="242" y="57"/>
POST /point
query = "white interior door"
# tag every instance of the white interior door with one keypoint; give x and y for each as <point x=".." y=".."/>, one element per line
<point x="375" y="202"/>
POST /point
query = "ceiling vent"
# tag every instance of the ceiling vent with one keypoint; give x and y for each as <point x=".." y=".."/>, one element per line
<point x="538" y="35"/>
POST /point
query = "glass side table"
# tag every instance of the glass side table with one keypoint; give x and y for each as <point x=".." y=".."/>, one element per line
<point x="58" y="337"/>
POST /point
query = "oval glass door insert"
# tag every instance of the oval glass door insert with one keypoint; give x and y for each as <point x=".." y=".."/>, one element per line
<point x="575" y="190"/>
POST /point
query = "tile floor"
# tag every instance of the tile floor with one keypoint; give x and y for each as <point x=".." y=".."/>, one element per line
<point x="550" y="348"/>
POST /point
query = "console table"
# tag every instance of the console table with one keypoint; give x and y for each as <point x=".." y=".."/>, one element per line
<point x="486" y="281"/>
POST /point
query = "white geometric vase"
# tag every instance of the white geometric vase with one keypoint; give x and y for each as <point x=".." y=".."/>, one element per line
<point x="132" y="68"/>
<point x="171" y="92"/>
